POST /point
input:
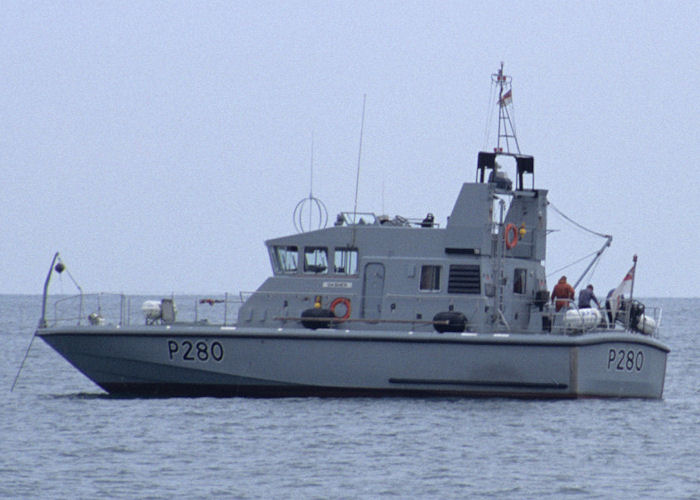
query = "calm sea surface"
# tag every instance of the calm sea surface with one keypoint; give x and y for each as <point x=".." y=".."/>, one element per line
<point x="62" y="437"/>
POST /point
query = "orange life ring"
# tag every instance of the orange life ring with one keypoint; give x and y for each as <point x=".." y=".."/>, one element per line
<point x="346" y="303"/>
<point x="511" y="241"/>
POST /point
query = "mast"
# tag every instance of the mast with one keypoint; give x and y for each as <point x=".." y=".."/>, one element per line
<point x="503" y="192"/>
<point x="506" y="136"/>
<point x="506" y="131"/>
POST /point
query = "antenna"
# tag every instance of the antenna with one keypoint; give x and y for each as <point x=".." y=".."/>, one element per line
<point x="312" y="204"/>
<point x="311" y="175"/>
<point x="359" y="157"/>
<point x="506" y="130"/>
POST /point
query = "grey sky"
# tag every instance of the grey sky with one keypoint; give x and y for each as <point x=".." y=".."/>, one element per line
<point x="156" y="145"/>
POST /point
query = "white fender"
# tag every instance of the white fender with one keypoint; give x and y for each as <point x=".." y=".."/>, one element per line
<point x="646" y="325"/>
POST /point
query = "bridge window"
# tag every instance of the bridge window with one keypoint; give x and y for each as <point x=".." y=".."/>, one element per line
<point x="286" y="259"/>
<point x="430" y="277"/>
<point x="316" y="260"/>
<point x="345" y="261"/>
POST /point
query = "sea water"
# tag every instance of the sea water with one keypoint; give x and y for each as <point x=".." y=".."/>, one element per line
<point x="63" y="437"/>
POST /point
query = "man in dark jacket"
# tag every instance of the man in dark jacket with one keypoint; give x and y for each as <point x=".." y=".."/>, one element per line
<point x="585" y="296"/>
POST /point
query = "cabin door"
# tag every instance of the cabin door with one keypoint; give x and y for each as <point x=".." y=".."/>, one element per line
<point x="521" y="312"/>
<point x="373" y="291"/>
<point x="521" y="302"/>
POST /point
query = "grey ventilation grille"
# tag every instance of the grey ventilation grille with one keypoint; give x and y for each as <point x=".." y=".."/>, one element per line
<point x="464" y="279"/>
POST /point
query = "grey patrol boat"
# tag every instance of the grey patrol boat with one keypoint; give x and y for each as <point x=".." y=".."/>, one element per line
<point x="381" y="306"/>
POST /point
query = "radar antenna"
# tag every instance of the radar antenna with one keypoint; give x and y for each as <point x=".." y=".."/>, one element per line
<point x="310" y="206"/>
<point x="506" y="130"/>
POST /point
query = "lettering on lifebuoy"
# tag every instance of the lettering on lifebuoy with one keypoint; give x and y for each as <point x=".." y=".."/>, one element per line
<point x="346" y="303"/>
<point x="511" y="236"/>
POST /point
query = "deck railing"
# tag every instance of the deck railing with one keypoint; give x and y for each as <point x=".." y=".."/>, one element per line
<point x="571" y="319"/>
<point x="121" y="309"/>
<point x="222" y="309"/>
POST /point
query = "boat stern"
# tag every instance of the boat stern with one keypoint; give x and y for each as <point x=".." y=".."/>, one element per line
<point x="620" y="368"/>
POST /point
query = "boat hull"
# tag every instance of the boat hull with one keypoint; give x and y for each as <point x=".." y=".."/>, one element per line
<point x="228" y="361"/>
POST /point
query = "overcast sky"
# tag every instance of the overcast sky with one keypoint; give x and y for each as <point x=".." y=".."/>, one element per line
<point x="156" y="145"/>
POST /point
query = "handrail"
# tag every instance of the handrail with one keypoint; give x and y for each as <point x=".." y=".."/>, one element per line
<point x="622" y="317"/>
<point x="122" y="309"/>
<point x="333" y="319"/>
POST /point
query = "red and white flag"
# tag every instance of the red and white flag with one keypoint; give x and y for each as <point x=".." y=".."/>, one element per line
<point x="506" y="99"/>
<point x="625" y="287"/>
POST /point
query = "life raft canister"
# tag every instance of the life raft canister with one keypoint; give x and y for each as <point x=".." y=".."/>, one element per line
<point x="346" y="303"/>
<point x="511" y="235"/>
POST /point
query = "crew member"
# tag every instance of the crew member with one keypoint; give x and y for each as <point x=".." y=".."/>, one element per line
<point x="620" y="299"/>
<point x="562" y="293"/>
<point x="585" y="296"/>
